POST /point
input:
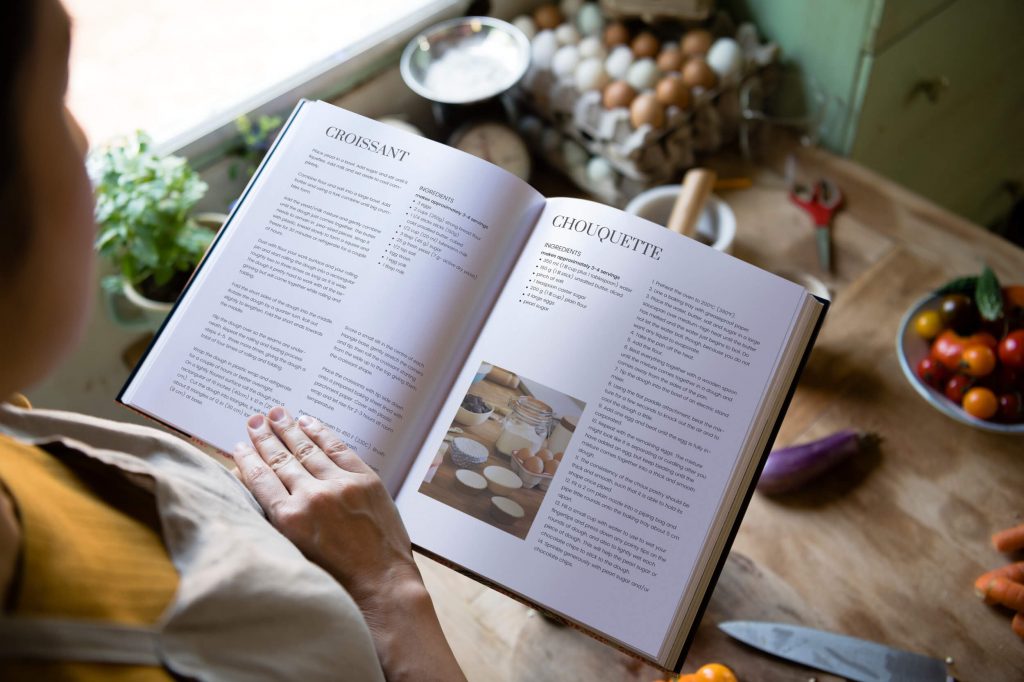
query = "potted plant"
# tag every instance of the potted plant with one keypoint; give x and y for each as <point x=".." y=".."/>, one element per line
<point x="147" y="230"/>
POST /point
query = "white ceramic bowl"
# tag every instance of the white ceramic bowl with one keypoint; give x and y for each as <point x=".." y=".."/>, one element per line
<point x="502" y="481"/>
<point x="471" y="479"/>
<point x="911" y="349"/>
<point x="506" y="510"/>
<point x="467" y="452"/>
<point x="464" y="417"/>
<point x="715" y="227"/>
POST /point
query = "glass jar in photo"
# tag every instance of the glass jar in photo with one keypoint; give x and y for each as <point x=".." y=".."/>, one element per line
<point x="526" y="426"/>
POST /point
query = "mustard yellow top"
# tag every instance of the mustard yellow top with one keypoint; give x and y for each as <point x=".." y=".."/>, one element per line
<point x="91" y="549"/>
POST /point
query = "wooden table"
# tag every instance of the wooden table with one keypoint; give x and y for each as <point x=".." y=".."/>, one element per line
<point x="887" y="547"/>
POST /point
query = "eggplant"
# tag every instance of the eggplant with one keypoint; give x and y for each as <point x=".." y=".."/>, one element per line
<point x="790" y="468"/>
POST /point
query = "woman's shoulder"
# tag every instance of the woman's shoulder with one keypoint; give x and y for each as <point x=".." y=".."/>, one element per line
<point x="10" y="540"/>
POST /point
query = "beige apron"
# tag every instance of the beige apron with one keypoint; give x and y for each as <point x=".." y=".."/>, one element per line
<point x="249" y="606"/>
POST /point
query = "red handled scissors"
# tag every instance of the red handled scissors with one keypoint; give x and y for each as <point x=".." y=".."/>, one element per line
<point x="821" y="201"/>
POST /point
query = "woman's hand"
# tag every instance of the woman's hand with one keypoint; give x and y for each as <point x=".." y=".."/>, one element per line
<point x="327" y="501"/>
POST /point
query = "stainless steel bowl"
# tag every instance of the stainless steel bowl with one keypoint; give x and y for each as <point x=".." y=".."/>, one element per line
<point x="465" y="60"/>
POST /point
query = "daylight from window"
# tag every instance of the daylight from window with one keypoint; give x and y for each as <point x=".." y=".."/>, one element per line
<point x="165" y="66"/>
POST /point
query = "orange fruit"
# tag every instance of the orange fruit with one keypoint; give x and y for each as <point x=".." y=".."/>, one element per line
<point x="980" y="402"/>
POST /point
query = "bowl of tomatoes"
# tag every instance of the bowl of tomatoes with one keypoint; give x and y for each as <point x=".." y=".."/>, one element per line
<point x="962" y="349"/>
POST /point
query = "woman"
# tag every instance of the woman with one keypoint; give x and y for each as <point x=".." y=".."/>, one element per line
<point x="125" y="553"/>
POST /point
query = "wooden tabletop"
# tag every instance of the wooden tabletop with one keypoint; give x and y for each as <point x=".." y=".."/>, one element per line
<point x="888" y="546"/>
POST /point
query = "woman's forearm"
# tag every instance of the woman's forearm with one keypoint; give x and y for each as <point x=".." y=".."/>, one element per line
<point x="406" y="632"/>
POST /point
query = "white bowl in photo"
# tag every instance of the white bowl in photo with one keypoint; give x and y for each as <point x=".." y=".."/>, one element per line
<point x="470" y="479"/>
<point x="506" y="510"/>
<point x="502" y="481"/>
<point x="716" y="226"/>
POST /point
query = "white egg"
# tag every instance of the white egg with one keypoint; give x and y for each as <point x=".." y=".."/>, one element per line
<point x="570" y="7"/>
<point x="543" y="48"/>
<point x="567" y="34"/>
<point x="565" y="60"/>
<point x="526" y="24"/>
<point x="618" y="62"/>
<point x="574" y="155"/>
<point x="599" y="170"/>
<point x="590" y="75"/>
<point x="725" y="58"/>
<point x="590" y="20"/>
<point x="642" y="74"/>
<point x="591" y="46"/>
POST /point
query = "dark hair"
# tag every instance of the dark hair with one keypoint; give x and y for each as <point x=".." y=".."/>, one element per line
<point x="16" y="33"/>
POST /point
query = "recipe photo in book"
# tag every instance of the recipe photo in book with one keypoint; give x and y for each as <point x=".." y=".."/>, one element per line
<point x="565" y="400"/>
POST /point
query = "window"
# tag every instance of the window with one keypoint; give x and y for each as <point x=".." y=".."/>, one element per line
<point x="183" y="70"/>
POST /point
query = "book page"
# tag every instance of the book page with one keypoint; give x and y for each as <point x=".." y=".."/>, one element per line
<point x="653" y="353"/>
<point x="349" y="284"/>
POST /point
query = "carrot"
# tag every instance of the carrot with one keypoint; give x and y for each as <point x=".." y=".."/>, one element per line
<point x="1014" y="572"/>
<point x="1005" y="592"/>
<point x="1018" y="624"/>
<point x="1010" y="539"/>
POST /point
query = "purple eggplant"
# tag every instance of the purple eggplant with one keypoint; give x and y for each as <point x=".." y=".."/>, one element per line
<point x="789" y="468"/>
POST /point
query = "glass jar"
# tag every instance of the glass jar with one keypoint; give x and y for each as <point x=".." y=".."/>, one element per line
<point x="526" y="426"/>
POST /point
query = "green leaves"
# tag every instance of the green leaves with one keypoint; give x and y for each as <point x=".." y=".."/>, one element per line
<point x="143" y="203"/>
<point x="983" y="289"/>
<point x="988" y="296"/>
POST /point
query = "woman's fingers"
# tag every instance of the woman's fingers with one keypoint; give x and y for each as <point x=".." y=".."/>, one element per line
<point x="258" y="477"/>
<point x="332" y="446"/>
<point x="275" y="454"/>
<point x="305" y="451"/>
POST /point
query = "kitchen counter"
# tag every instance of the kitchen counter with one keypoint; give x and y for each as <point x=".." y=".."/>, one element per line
<point x="887" y="546"/>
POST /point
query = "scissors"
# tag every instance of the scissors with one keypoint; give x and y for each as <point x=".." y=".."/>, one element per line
<point x="821" y="201"/>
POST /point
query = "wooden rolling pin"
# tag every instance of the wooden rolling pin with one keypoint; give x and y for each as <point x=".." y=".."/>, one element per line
<point x="503" y="377"/>
<point x="697" y="185"/>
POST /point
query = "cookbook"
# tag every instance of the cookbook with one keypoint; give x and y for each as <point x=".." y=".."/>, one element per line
<point x="567" y="402"/>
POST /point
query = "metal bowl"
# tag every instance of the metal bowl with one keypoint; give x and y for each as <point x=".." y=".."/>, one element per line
<point x="465" y="60"/>
<point x="911" y="348"/>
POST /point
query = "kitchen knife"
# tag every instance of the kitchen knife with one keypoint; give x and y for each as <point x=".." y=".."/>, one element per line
<point x="849" y="657"/>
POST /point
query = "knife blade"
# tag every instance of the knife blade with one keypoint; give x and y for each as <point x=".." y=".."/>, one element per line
<point x="849" y="657"/>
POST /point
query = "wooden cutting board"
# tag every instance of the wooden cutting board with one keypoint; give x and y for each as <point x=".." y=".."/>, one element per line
<point x="548" y="652"/>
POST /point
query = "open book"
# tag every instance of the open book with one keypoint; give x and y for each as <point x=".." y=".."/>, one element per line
<point x="567" y="402"/>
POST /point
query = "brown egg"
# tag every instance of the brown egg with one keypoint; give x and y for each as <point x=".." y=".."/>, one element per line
<point x="647" y="110"/>
<point x="616" y="33"/>
<point x="544" y="454"/>
<point x="522" y="454"/>
<point x="670" y="59"/>
<point x="697" y="73"/>
<point x="558" y="456"/>
<point x="534" y="465"/>
<point x="696" y="42"/>
<point x="551" y="466"/>
<point x="618" y="94"/>
<point x="671" y="90"/>
<point x="547" y="16"/>
<point x="645" y="45"/>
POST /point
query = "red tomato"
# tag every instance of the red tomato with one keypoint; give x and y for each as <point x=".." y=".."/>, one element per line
<point x="1011" y="408"/>
<point x="983" y="338"/>
<point x="958" y="386"/>
<point x="947" y="347"/>
<point x="932" y="372"/>
<point x="1011" y="350"/>
<point x="981" y="403"/>
<point x="978" y="360"/>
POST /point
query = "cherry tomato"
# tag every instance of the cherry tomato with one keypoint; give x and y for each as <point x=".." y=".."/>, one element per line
<point x="978" y="360"/>
<point x="1011" y="350"/>
<point x="981" y="403"/>
<point x="984" y="338"/>
<point x="958" y="386"/>
<point x="1013" y="296"/>
<point x="928" y="324"/>
<point x="1011" y="408"/>
<point x="947" y="347"/>
<point x="958" y="311"/>
<point x="932" y="372"/>
<point x="1005" y="379"/>
<point x="715" y="672"/>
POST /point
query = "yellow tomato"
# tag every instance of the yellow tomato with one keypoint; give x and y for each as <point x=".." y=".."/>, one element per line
<point x="928" y="324"/>
<point x="715" y="672"/>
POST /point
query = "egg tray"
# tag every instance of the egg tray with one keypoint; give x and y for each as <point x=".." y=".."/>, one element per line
<point x="530" y="479"/>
